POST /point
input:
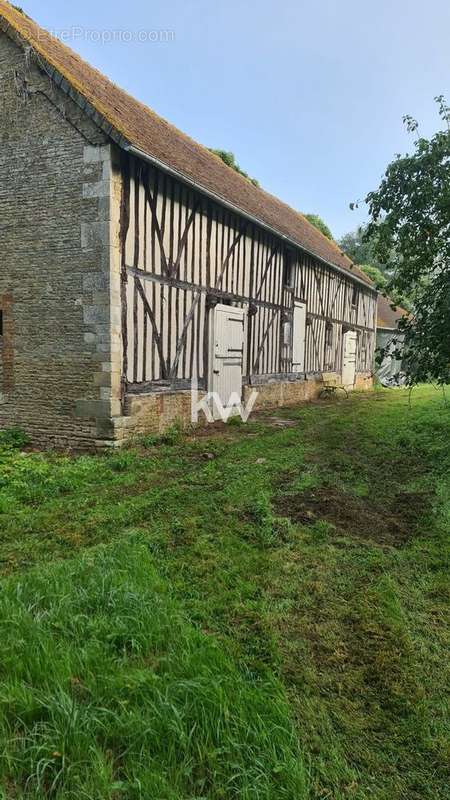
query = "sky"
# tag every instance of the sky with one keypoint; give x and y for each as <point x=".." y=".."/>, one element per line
<point x="308" y="95"/>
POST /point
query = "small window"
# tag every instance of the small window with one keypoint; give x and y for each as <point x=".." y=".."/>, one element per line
<point x="288" y="270"/>
<point x="287" y="333"/>
<point x="355" y="295"/>
<point x="328" y="355"/>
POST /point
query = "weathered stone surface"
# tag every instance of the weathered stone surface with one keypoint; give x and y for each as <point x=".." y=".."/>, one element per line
<point x="56" y="262"/>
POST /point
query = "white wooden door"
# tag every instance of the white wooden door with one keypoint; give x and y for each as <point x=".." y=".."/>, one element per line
<point x="299" y="337"/>
<point x="349" y="359"/>
<point x="227" y="357"/>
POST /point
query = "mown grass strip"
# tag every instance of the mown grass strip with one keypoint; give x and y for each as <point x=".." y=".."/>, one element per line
<point x="309" y="548"/>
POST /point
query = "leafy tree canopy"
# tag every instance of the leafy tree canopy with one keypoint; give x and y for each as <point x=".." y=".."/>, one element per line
<point x="410" y="228"/>
<point x="318" y="222"/>
<point x="381" y="282"/>
<point x="376" y="275"/>
<point x="361" y="248"/>
<point x="230" y="160"/>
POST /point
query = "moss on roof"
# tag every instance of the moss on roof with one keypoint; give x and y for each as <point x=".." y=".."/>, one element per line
<point x="144" y="129"/>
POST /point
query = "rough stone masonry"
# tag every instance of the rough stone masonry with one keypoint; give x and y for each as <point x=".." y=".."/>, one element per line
<point x="60" y="344"/>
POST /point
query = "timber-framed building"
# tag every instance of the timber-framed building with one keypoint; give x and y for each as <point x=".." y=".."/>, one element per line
<point x="134" y="263"/>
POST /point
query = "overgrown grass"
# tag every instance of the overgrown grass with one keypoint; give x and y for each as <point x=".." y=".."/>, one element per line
<point x="261" y="613"/>
<point x="107" y="690"/>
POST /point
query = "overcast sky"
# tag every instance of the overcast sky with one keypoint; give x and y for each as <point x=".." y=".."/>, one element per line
<point x="308" y="95"/>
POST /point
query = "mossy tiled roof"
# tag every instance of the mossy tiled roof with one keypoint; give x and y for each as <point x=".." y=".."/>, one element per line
<point x="139" y="126"/>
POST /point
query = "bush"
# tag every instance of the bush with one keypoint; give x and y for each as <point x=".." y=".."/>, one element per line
<point x="171" y="436"/>
<point x="14" y="438"/>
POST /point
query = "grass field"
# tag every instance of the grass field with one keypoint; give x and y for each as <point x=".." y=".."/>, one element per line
<point x="259" y="611"/>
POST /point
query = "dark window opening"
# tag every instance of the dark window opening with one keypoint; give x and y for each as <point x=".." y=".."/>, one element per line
<point x="288" y="270"/>
<point x="355" y="295"/>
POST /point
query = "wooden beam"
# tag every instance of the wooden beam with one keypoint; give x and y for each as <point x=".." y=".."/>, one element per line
<point x="173" y="270"/>
<point x="228" y="256"/>
<point x="182" y="340"/>
<point x="266" y="271"/>
<point x="149" y="311"/>
<point x="123" y="231"/>
<point x="151" y="200"/>
<point x="263" y="340"/>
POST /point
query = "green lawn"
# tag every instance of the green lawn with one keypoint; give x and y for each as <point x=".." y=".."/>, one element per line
<point x="259" y="611"/>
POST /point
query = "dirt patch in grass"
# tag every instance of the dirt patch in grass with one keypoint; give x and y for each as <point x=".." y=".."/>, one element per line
<point x="279" y="422"/>
<point x="226" y="432"/>
<point x="393" y="523"/>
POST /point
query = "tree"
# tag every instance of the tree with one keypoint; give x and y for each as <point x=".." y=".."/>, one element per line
<point x="318" y="222"/>
<point x="375" y="275"/>
<point x="410" y="223"/>
<point x="358" y="245"/>
<point x="361" y="248"/>
<point x="381" y="281"/>
<point x="230" y="160"/>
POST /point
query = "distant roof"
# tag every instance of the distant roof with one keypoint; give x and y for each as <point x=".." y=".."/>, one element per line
<point x="387" y="316"/>
<point x="132" y="123"/>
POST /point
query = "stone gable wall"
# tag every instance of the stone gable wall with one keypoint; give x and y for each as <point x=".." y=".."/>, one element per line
<point x="60" y="352"/>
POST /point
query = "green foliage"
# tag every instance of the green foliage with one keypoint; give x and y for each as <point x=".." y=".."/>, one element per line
<point x="410" y="217"/>
<point x="361" y="247"/>
<point x="243" y="626"/>
<point x="230" y="160"/>
<point x="171" y="436"/>
<point x="14" y="438"/>
<point x="318" y="223"/>
<point x="376" y="275"/>
<point x="235" y="420"/>
<point x="381" y="282"/>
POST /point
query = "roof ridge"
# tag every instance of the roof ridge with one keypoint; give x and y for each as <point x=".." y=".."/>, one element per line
<point x="110" y="108"/>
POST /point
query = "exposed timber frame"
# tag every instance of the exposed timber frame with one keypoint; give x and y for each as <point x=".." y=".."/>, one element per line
<point x="237" y="210"/>
<point x="183" y="252"/>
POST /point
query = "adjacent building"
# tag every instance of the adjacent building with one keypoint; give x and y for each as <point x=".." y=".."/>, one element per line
<point x="389" y="341"/>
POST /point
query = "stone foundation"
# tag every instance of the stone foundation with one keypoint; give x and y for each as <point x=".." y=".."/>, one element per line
<point x="155" y="412"/>
<point x="284" y="393"/>
<point x="363" y="383"/>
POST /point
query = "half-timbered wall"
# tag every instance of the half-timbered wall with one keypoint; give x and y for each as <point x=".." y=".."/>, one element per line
<point x="182" y="253"/>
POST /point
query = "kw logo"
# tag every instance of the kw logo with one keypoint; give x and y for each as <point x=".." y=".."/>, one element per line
<point x="213" y="408"/>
